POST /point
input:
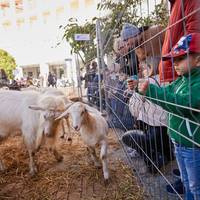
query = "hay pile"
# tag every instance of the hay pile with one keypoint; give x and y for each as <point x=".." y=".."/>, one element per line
<point x="72" y="179"/>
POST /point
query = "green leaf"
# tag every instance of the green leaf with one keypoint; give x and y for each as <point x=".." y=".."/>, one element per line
<point x="7" y="62"/>
<point x="119" y="13"/>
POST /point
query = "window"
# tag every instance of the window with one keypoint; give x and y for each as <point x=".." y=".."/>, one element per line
<point x="30" y="74"/>
<point x="4" y="6"/>
<point x="18" y="6"/>
<point x="6" y="24"/>
<point x="74" y="4"/>
<point x="46" y="16"/>
<point x="61" y="72"/>
<point x="89" y="3"/>
<point x="20" y="22"/>
<point x="31" y="4"/>
<point x="33" y="20"/>
<point x="59" y="12"/>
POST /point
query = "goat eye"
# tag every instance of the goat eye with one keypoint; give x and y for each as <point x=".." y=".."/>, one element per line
<point x="82" y="113"/>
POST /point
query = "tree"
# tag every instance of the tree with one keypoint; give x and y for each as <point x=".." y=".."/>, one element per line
<point x="127" y="11"/>
<point x="87" y="48"/>
<point x="7" y="62"/>
<point x="118" y="13"/>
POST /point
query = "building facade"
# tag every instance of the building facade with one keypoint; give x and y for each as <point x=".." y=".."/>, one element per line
<point x="30" y="32"/>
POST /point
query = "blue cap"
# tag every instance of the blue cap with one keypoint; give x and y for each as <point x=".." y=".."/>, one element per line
<point x="129" y="31"/>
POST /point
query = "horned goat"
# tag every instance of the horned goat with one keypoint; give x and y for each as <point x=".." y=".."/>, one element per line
<point x="93" y="129"/>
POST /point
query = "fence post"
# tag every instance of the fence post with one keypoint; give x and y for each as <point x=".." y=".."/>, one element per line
<point x="99" y="58"/>
<point x="78" y="76"/>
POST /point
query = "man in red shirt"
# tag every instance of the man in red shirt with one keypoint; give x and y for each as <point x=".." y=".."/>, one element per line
<point x="191" y="24"/>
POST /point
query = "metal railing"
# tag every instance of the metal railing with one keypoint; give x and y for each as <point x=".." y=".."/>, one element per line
<point x="149" y="162"/>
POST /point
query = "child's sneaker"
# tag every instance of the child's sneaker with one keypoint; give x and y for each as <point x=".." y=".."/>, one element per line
<point x="177" y="185"/>
<point x="176" y="173"/>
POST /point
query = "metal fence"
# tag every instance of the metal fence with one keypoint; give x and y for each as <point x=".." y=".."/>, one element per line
<point x="143" y="121"/>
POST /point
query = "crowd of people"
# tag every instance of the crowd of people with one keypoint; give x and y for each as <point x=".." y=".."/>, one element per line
<point x="156" y="72"/>
<point x="16" y="84"/>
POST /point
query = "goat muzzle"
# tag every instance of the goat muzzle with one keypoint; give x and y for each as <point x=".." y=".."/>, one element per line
<point x="76" y="128"/>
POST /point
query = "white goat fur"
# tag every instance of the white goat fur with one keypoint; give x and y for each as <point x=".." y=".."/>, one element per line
<point x="53" y="91"/>
<point x="15" y="115"/>
<point x="93" y="129"/>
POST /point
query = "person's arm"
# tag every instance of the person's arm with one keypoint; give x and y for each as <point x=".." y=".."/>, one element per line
<point x="136" y="103"/>
<point x="166" y="95"/>
<point x="192" y="22"/>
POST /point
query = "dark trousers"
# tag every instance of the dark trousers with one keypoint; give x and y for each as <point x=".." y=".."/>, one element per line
<point x="154" y="144"/>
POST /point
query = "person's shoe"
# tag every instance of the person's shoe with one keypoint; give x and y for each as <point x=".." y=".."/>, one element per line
<point x="176" y="173"/>
<point x="177" y="185"/>
<point x="159" y="162"/>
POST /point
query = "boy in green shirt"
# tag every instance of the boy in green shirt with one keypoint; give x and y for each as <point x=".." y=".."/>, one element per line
<point x="182" y="100"/>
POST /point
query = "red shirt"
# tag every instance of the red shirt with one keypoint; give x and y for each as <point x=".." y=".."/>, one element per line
<point x="172" y="35"/>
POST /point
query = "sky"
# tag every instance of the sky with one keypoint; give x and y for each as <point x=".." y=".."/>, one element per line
<point x="36" y="43"/>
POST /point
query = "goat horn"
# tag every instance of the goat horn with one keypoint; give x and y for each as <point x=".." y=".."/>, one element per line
<point x="62" y="115"/>
<point x="65" y="112"/>
<point x="68" y="105"/>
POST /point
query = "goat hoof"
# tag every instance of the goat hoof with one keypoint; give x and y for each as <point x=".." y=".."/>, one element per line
<point x="59" y="158"/>
<point x="2" y="167"/>
<point x="106" y="175"/>
<point x="62" y="136"/>
<point x="32" y="174"/>
<point x="98" y="165"/>
<point x="106" y="182"/>
<point x="33" y="171"/>
<point x="38" y="148"/>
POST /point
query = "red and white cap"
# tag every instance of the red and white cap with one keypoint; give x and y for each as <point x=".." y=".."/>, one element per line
<point x="187" y="44"/>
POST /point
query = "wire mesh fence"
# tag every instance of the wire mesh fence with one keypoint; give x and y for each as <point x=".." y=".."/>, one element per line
<point x="150" y="92"/>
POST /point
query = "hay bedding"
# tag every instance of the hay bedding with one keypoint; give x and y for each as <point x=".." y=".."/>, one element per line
<point x="72" y="179"/>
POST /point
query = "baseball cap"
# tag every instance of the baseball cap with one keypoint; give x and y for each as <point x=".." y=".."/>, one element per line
<point x="187" y="44"/>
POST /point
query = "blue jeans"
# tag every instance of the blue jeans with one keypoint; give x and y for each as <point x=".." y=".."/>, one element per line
<point x="188" y="160"/>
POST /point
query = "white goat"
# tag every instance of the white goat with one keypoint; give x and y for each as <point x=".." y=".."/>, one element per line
<point x="55" y="92"/>
<point x="17" y="113"/>
<point x="65" y="121"/>
<point x="93" y="129"/>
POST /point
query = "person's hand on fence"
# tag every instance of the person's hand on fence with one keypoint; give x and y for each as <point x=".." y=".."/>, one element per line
<point x="142" y="86"/>
<point x="132" y="83"/>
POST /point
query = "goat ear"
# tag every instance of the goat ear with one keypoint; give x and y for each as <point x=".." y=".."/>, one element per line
<point x="35" y="107"/>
